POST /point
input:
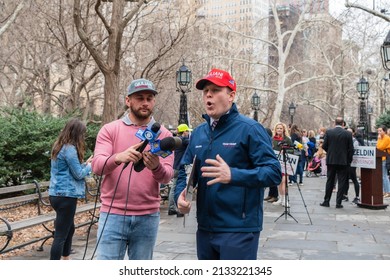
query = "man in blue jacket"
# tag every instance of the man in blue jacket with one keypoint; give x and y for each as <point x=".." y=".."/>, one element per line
<point x="235" y="162"/>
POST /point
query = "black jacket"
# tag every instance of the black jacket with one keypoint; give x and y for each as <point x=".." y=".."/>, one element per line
<point x="338" y="145"/>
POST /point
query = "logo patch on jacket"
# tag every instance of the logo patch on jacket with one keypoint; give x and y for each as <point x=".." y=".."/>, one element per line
<point x="229" y="145"/>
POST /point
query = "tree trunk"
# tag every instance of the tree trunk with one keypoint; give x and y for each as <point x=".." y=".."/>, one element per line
<point x="46" y="98"/>
<point x="111" y="89"/>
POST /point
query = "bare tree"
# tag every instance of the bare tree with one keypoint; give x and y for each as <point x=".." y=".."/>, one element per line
<point x="6" y="23"/>
<point x="368" y="10"/>
<point x="109" y="61"/>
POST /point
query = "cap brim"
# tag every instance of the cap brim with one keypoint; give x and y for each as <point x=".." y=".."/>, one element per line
<point x="143" y="89"/>
<point x="202" y="82"/>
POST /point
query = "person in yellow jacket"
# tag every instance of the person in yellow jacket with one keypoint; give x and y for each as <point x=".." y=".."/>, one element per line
<point x="383" y="144"/>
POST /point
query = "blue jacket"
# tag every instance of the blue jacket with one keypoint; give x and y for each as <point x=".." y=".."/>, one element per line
<point x="179" y="152"/>
<point x="246" y="147"/>
<point x="67" y="174"/>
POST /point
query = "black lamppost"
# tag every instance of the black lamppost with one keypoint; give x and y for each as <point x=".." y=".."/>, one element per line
<point x="255" y="105"/>
<point x="183" y="79"/>
<point x="362" y="88"/>
<point x="291" y="111"/>
<point x="370" y="111"/>
<point x="385" y="52"/>
<point x="384" y="107"/>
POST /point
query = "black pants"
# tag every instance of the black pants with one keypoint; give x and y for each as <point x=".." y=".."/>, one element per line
<point x="273" y="191"/>
<point x="353" y="177"/>
<point x="342" y="177"/>
<point x="65" y="208"/>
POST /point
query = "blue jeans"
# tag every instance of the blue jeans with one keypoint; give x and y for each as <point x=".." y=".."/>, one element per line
<point x="137" y="234"/>
<point x="385" y="178"/>
<point x="298" y="172"/>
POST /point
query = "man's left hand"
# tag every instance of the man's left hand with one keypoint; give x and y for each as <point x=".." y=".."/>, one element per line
<point x="151" y="161"/>
<point x="217" y="169"/>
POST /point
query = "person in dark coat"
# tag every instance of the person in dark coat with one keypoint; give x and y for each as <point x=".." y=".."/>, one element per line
<point x="338" y="145"/>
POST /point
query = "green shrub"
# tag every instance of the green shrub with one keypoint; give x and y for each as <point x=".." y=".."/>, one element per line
<point x="383" y="119"/>
<point x="26" y="139"/>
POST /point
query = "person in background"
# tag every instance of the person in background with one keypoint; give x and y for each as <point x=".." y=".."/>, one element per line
<point x="281" y="138"/>
<point x="321" y="133"/>
<point x="67" y="184"/>
<point x="352" y="172"/>
<point x="130" y="200"/>
<point x="311" y="144"/>
<point x="296" y="139"/>
<point x="273" y="193"/>
<point x="305" y="151"/>
<point x="321" y="154"/>
<point x="339" y="152"/>
<point x="183" y="131"/>
<point x="383" y="144"/>
<point x="234" y="163"/>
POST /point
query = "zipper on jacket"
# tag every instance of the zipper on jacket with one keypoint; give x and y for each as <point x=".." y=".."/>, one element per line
<point x="207" y="192"/>
<point x="243" y="206"/>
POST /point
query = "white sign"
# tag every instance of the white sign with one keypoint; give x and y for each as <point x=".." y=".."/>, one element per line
<point x="291" y="162"/>
<point x="364" y="157"/>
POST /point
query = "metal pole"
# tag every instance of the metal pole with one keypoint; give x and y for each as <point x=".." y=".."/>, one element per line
<point x="255" y="116"/>
<point x="385" y="95"/>
<point x="363" y="119"/>
<point x="183" y="117"/>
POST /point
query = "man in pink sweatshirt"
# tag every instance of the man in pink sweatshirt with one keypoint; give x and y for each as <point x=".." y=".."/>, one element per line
<point x="130" y="211"/>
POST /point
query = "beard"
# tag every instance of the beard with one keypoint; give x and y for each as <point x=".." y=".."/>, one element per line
<point x="139" y="114"/>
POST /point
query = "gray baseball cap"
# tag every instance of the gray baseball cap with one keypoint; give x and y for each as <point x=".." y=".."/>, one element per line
<point x="141" y="85"/>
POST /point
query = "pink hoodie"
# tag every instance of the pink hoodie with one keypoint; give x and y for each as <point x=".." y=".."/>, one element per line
<point x="136" y="193"/>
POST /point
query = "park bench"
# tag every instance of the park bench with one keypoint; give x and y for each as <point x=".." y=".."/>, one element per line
<point x="36" y="194"/>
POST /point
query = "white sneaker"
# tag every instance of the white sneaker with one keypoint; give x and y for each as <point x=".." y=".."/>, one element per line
<point x="284" y="204"/>
<point x="278" y="202"/>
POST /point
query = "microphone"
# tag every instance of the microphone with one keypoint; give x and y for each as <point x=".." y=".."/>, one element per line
<point x="298" y="145"/>
<point x="149" y="136"/>
<point x="164" y="147"/>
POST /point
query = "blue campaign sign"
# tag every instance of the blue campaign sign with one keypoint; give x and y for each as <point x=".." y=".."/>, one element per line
<point x="364" y="157"/>
<point x="291" y="162"/>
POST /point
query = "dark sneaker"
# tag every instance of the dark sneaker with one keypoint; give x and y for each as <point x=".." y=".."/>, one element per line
<point x="272" y="199"/>
<point x="356" y="200"/>
<point x="345" y="198"/>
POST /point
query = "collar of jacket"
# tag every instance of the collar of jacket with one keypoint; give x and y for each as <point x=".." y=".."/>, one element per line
<point x="126" y="120"/>
<point x="232" y="112"/>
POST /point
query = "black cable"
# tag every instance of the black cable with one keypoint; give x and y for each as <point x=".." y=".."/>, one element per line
<point x="109" y="211"/>
<point x="94" y="209"/>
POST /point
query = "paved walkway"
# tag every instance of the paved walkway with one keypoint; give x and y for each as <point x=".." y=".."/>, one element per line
<point x="350" y="233"/>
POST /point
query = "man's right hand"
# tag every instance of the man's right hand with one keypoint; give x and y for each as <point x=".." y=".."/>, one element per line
<point x="183" y="205"/>
<point x="129" y="155"/>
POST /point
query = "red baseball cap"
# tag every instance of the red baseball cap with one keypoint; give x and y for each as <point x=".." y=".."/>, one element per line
<point x="219" y="77"/>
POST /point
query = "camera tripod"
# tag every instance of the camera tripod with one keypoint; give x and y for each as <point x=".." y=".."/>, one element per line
<point x="286" y="211"/>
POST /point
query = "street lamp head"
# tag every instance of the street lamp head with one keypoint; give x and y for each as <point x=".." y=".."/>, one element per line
<point x="291" y="109"/>
<point x="183" y="76"/>
<point x="255" y="101"/>
<point x="385" y="52"/>
<point x="362" y="88"/>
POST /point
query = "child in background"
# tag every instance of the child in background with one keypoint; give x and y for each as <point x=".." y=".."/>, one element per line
<point x="321" y="154"/>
